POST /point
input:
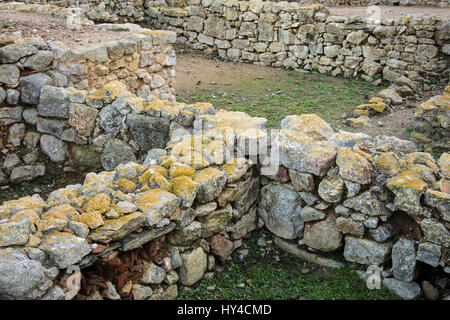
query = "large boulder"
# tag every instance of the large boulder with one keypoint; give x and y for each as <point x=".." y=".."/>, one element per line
<point x="280" y="209"/>
<point x="364" y="251"/>
<point x="22" y="278"/>
<point x="323" y="235"/>
<point x="149" y="132"/>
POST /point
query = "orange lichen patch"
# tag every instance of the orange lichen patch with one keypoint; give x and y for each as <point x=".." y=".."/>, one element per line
<point x="422" y="158"/>
<point x="100" y="203"/>
<point x="407" y="179"/>
<point x="194" y="159"/>
<point x="166" y="161"/>
<point x="180" y="169"/>
<point x="215" y="152"/>
<point x="376" y="100"/>
<point x="189" y="145"/>
<point x="95" y="183"/>
<point x="426" y="109"/>
<point x="425" y="172"/>
<point x="388" y="164"/>
<point x="153" y="200"/>
<point x="310" y="124"/>
<point x="360" y="112"/>
<point x="201" y="108"/>
<point x="353" y="166"/>
<point x="13" y="206"/>
<point x="25" y="214"/>
<point x="51" y="224"/>
<point x="125" y="185"/>
<point x="185" y="188"/>
<point x="64" y="211"/>
<point x="159" y="181"/>
<point x="63" y="196"/>
<point x="92" y="219"/>
<point x="444" y="164"/>
<point x="358" y="122"/>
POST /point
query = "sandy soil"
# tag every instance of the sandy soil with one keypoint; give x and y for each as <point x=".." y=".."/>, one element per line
<point x="53" y="28"/>
<point x="391" y="11"/>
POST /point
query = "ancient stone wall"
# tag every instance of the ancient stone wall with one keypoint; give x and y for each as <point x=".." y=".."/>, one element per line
<point x="188" y="205"/>
<point x="437" y="3"/>
<point x="293" y="36"/>
<point x="59" y="104"/>
<point x="285" y="35"/>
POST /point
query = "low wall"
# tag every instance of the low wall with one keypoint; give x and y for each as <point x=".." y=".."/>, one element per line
<point x="293" y="36"/>
<point x="56" y="101"/>
<point x="377" y="200"/>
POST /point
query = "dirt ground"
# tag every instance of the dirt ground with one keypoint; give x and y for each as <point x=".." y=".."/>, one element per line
<point x="215" y="73"/>
<point x="53" y="28"/>
<point x="391" y="11"/>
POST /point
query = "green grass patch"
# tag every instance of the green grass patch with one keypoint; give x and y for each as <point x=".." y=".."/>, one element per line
<point x="295" y="93"/>
<point x="270" y="274"/>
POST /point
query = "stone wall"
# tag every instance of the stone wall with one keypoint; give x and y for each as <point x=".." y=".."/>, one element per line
<point x="431" y="125"/>
<point x="293" y="36"/>
<point x="59" y="104"/>
<point x="307" y="38"/>
<point x="377" y="200"/>
<point x="437" y="3"/>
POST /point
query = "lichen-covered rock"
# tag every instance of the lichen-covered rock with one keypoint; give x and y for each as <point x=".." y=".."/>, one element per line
<point x="300" y="152"/>
<point x="309" y="124"/>
<point x="64" y="249"/>
<point x="323" y="235"/>
<point x="440" y="201"/>
<point x="116" y="229"/>
<point x="408" y="188"/>
<point x="193" y="267"/>
<point x="156" y="204"/>
<point x="186" y="189"/>
<point x="301" y="181"/>
<point x="429" y="253"/>
<point x="353" y="166"/>
<point x="388" y="164"/>
<point x="9" y="208"/>
<point x="22" y="278"/>
<point x="280" y="209"/>
<point x="331" y="190"/>
<point x="404" y="259"/>
<point x="367" y="203"/>
<point x="14" y="233"/>
<point x="116" y="152"/>
<point x="435" y="232"/>
<point x="216" y="221"/>
<point x="365" y="251"/>
<point x="211" y="183"/>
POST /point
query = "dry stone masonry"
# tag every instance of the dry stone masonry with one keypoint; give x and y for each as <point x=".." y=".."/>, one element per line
<point x="184" y="184"/>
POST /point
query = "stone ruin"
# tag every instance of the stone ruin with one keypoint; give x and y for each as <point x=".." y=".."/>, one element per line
<point x="183" y="184"/>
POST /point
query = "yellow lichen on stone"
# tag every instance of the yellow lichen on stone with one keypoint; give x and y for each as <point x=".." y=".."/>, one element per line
<point x="25" y="214"/>
<point x="64" y="211"/>
<point x="125" y="185"/>
<point x="353" y="166"/>
<point x="185" y="188"/>
<point x="135" y="103"/>
<point x="13" y="206"/>
<point x="388" y="164"/>
<point x="359" y="122"/>
<point x="180" y="169"/>
<point x="147" y="176"/>
<point x="100" y="203"/>
<point x="115" y="88"/>
<point x="235" y="169"/>
<point x="92" y="219"/>
<point x="407" y="179"/>
<point x="33" y="241"/>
